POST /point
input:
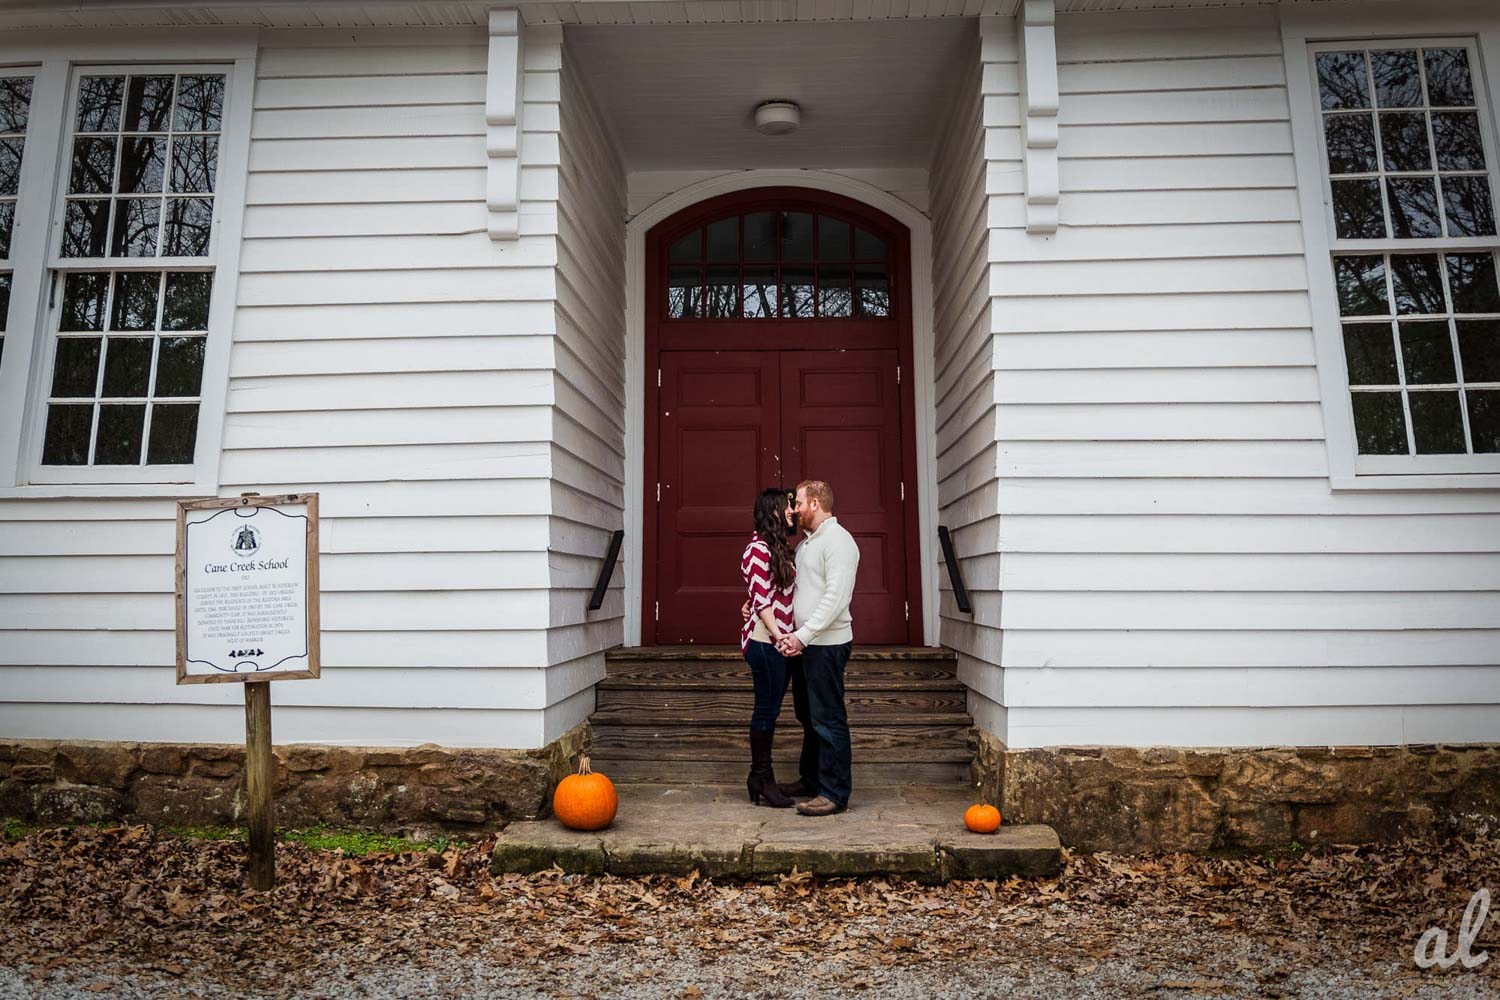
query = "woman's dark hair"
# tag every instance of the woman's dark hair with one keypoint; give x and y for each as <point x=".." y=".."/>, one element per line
<point x="770" y="525"/>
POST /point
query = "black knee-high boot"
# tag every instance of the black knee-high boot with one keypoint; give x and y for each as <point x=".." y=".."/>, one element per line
<point x="761" y="784"/>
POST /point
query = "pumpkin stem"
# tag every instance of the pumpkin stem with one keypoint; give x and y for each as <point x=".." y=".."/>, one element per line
<point x="583" y="765"/>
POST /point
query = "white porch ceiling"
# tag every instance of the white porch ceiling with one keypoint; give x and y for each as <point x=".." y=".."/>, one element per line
<point x="678" y="97"/>
<point x="431" y="13"/>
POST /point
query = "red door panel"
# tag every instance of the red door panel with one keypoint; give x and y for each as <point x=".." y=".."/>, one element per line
<point x="718" y="432"/>
<point x="841" y="423"/>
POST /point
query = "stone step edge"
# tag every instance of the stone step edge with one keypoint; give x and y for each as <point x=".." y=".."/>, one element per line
<point x="538" y="845"/>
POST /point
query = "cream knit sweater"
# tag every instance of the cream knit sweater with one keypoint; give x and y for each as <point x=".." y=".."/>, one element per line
<point x="827" y="561"/>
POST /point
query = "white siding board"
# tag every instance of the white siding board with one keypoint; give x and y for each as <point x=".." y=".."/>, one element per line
<point x="386" y="153"/>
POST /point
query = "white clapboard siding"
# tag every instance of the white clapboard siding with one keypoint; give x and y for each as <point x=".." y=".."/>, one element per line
<point x="962" y="363"/>
<point x="388" y="355"/>
<point x="1174" y="567"/>
<point x="588" y="413"/>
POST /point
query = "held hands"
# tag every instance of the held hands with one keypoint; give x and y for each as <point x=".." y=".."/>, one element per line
<point x="789" y="645"/>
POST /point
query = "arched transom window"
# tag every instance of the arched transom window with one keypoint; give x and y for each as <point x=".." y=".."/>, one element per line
<point x="779" y="265"/>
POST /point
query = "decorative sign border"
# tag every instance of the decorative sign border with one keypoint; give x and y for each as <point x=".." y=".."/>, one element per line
<point x="313" y="619"/>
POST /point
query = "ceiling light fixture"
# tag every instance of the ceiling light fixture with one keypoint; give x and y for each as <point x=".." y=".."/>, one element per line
<point x="777" y="117"/>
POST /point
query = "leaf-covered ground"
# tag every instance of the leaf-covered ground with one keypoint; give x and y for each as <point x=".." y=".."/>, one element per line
<point x="130" y="911"/>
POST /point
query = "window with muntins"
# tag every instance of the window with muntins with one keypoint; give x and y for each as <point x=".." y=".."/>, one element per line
<point x="778" y="265"/>
<point x="134" y="269"/>
<point x="15" y="109"/>
<point x="1408" y="163"/>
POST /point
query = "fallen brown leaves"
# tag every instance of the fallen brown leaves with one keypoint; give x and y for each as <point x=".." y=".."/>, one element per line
<point x="86" y="896"/>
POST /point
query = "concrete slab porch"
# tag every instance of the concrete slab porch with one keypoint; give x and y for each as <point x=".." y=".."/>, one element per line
<point x="907" y="831"/>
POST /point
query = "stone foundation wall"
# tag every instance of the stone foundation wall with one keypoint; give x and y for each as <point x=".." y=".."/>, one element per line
<point x="405" y="790"/>
<point x="1133" y="799"/>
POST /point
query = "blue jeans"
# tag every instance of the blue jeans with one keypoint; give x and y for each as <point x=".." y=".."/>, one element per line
<point x="823" y="675"/>
<point x="768" y="671"/>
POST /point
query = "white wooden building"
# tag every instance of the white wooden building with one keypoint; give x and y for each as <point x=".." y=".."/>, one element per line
<point x="1143" y="269"/>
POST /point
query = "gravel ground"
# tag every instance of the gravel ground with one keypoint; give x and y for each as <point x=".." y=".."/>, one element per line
<point x="133" y="913"/>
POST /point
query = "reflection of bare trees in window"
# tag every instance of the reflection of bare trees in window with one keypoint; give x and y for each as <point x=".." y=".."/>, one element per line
<point x="1467" y="202"/>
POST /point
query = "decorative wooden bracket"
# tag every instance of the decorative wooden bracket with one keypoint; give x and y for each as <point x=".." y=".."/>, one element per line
<point x="1036" y="30"/>
<point x="502" y="118"/>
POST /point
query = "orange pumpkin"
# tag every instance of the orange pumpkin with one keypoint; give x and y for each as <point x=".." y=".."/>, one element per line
<point x="982" y="818"/>
<point x="585" y="801"/>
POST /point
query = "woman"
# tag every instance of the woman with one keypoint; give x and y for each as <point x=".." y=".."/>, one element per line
<point x="770" y="572"/>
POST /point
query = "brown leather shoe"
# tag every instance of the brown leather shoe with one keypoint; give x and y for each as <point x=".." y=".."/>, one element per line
<point x="819" y="807"/>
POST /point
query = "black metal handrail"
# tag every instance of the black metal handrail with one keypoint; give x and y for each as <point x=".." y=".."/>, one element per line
<point x="955" y="572"/>
<point x="606" y="571"/>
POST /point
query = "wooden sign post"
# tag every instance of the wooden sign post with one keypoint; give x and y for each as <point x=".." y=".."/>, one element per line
<point x="247" y="612"/>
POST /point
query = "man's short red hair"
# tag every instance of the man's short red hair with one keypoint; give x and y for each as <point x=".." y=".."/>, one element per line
<point x="816" y="489"/>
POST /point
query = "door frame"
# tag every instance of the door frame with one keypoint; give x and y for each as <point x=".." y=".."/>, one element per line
<point x="917" y="350"/>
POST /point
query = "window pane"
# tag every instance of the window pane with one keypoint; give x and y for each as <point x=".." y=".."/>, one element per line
<point x="722" y="300"/>
<point x="127" y="366"/>
<point x="1357" y="212"/>
<point x="1437" y="423"/>
<point x="136" y="223"/>
<point x="99" y="99"/>
<point x="868" y="246"/>
<point x="15" y="103"/>
<point x="833" y="238"/>
<point x="1470" y="209"/>
<point x="1414" y="212"/>
<point x="835" y="292"/>
<point x="93" y="169"/>
<point x="797" y="292"/>
<point x="186" y="307"/>
<point x="1370" y="352"/>
<point x="872" y="291"/>
<point x="148" y="104"/>
<point x="1471" y="280"/>
<point x="1342" y="82"/>
<point x="67" y="438"/>
<point x="1448" y="81"/>
<point x="1379" y="423"/>
<point x="684" y="293"/>
<point x="1484" y="420"/>
<point x="84" y="295"/>
<point x="1427" y="353"/>
<point x="724" y="239"/>
<point x="7" y="223"/>
<point x="174" y="429"/>
<point x="179" y="366"/>
<point x="688" y="248"/>
<point x="135" y="300"/>
<point x="4" y="303"/>
<point x="10" y="165"/>
<point x="75" y="368"/>
<point x="189" y="225"/>
<point x="1418" y="282"/>
<point x="760" y="236"/>
<point x="1403" y="141"/>
<point x="143" y="165"/>
<point x="759" y="291"/>
<point x="1456" y="135"/>
<point x="200" y="103"/>
<point x="1398" y="84"/>
<point x="1479" y="347"/>
<point x="85" y="225"/>
<point x="796" y="236"/>
<point x="1361" y="286"/>
<point x="120" y="429"/>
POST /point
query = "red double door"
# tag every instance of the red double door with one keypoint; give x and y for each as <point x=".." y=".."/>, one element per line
<point x="735" y="422"/>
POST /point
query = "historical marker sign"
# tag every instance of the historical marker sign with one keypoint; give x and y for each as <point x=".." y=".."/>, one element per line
<point x="247" y="588"/>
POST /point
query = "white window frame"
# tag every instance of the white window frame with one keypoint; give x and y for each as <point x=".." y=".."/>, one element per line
<point x="57" y="59"/>
<point x="1303" y="33"/>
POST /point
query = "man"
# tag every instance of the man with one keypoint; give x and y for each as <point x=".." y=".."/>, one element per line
<point x="827" y="561"/>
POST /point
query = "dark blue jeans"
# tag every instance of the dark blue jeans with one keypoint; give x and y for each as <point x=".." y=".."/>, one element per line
<point x="822" y="670"/>
<point x="768" y="671"/>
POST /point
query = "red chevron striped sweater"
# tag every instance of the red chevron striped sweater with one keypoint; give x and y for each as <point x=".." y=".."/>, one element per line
<point x="755" y="566"/>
